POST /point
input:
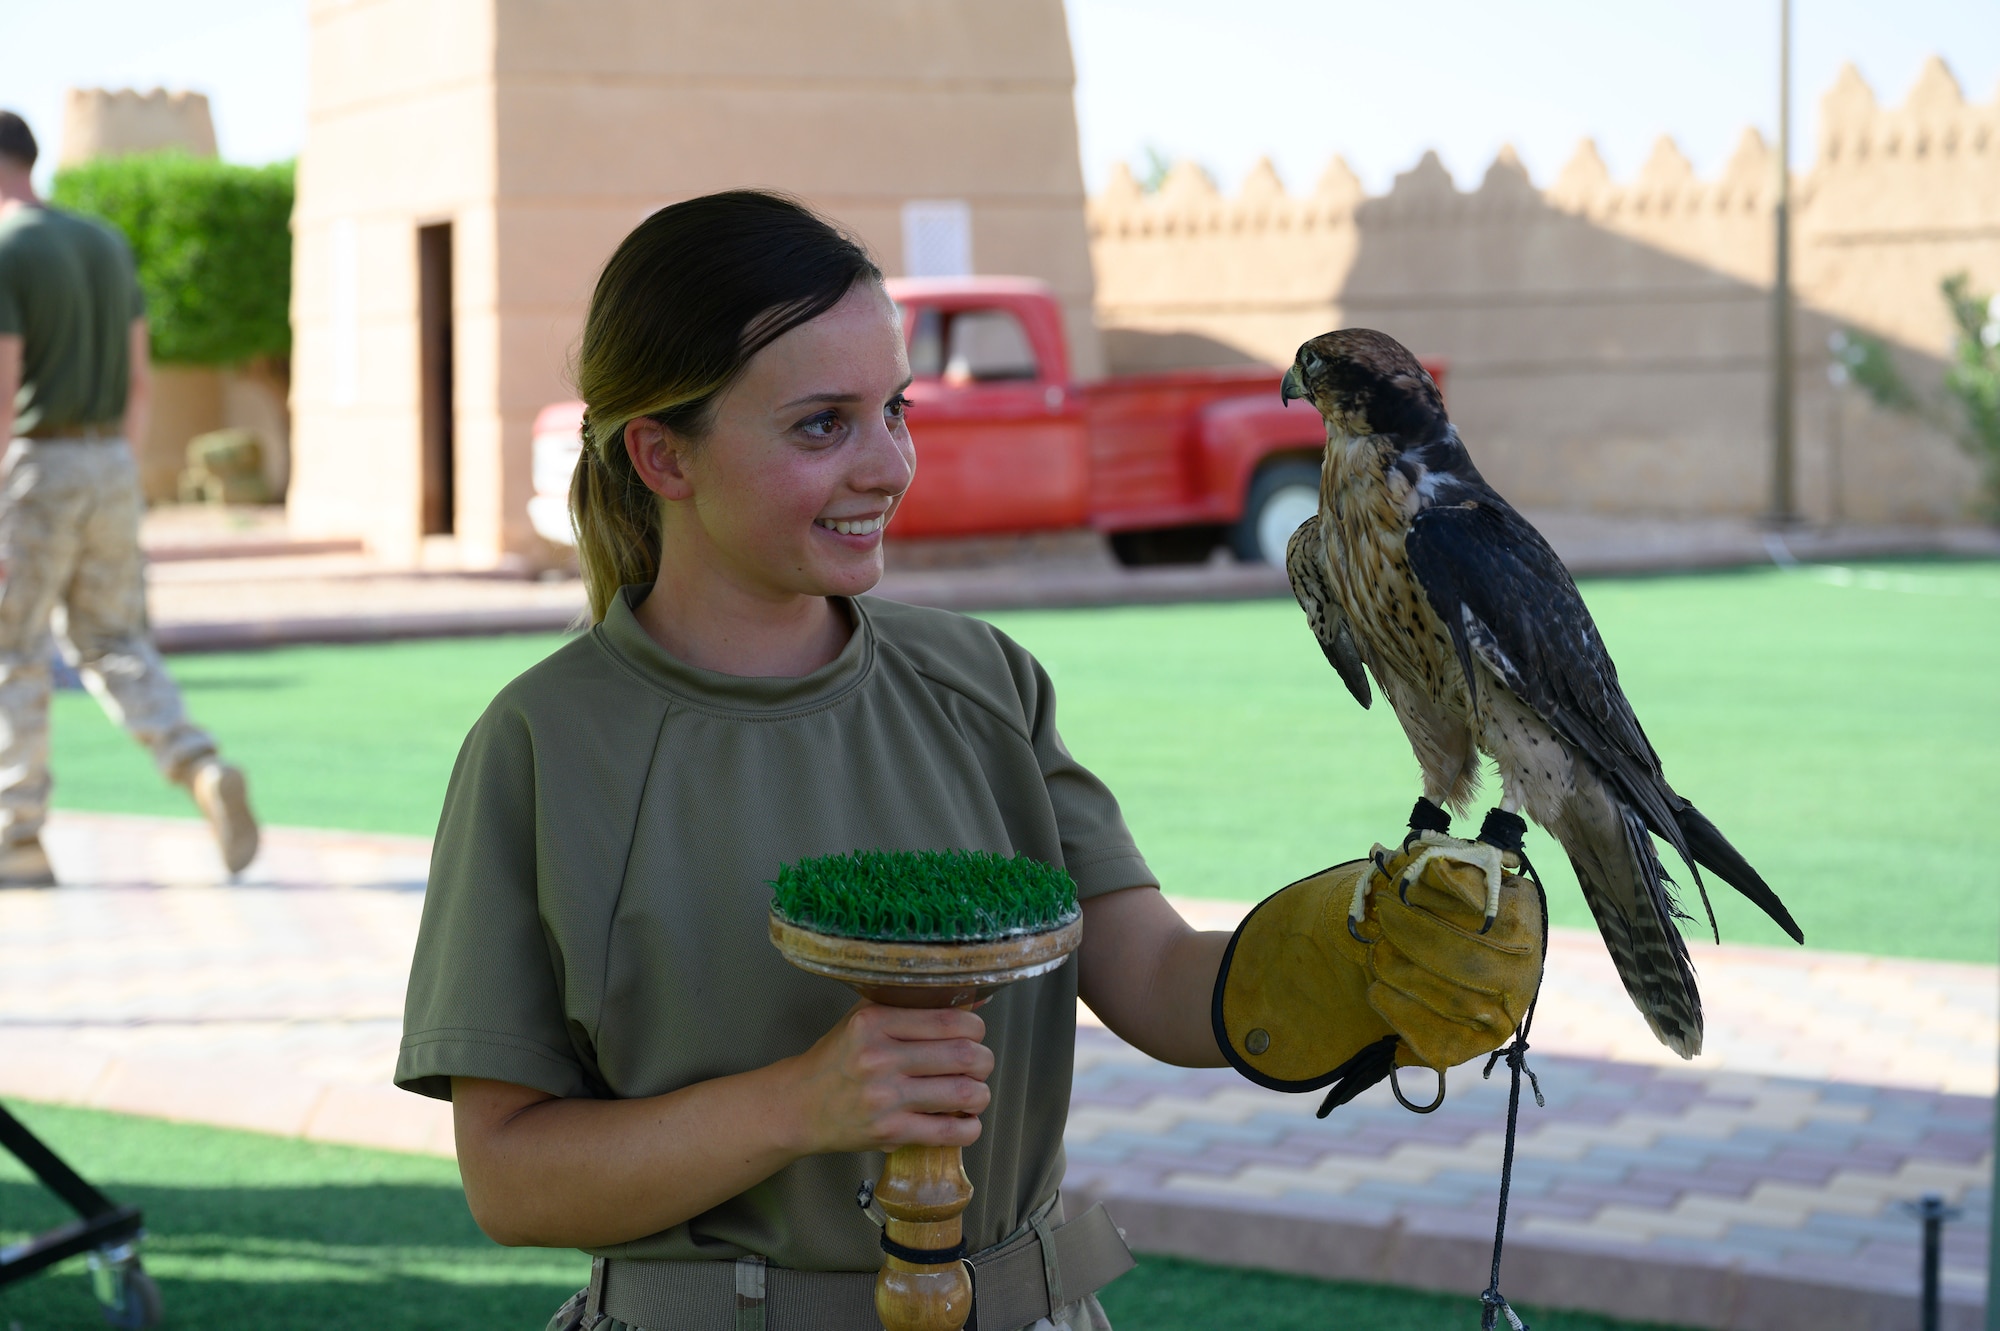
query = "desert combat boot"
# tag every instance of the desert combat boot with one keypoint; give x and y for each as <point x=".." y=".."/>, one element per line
<point x="224" y="799"/>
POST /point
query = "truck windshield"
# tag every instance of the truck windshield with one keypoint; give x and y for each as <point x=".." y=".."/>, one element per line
<point x="970" y="346"/>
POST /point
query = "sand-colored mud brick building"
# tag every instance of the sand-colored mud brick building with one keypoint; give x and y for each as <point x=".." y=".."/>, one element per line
<point x="469" y="165"/>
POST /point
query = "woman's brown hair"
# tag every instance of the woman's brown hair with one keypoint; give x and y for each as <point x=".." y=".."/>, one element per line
<point x="689" y="297"/>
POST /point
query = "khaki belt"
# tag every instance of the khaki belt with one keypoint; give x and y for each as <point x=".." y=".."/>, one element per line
<point x="1012" y="1286"/>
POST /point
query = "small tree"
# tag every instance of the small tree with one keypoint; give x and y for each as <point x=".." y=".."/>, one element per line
<point x="1974" y="378"/>
<point x="1968" y="408"/>
<point x="213" y="246"/>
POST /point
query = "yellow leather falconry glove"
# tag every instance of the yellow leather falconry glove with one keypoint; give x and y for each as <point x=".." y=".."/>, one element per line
<point x="1379" y="963"/>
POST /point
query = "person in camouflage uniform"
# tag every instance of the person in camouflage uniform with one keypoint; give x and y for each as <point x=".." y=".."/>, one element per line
<point x="73" y="389"/>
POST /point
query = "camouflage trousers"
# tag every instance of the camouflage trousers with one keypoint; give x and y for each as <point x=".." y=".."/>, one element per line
<point x="72" y="577"/>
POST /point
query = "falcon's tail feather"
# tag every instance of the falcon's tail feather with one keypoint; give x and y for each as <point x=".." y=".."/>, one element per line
<point x="1632" y="899"/>
<point x="1712" y="851"/>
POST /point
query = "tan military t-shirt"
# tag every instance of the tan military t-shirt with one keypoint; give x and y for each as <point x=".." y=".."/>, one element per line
<point x="599" y="890"/>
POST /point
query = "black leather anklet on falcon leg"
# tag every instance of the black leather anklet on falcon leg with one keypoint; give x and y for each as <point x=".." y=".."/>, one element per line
<point x="1426" y="817"/>
<point x="1503" y="830"/>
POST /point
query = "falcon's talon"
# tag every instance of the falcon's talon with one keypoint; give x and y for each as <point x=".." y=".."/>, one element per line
<point x="1357" y="909"/>
<point x="1359" y="906"/>
<point x="1481" y="855"/>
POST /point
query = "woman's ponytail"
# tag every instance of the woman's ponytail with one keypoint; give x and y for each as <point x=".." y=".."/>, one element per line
<point x="617" y="522"/>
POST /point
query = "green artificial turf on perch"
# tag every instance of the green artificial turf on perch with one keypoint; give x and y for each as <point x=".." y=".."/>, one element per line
<point x="926" y="896"/>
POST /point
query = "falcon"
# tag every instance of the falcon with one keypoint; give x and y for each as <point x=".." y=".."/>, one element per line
<point x="1417" y="572"/>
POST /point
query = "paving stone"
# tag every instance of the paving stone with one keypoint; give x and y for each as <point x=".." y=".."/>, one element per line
<point x="1790" y="1165"/>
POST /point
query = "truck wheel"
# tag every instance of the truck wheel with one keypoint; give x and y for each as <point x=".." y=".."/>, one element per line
<point x="1164" y="545"/>
<point x="1282" y="496"/>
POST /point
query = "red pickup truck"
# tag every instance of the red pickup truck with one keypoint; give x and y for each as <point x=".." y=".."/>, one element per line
<point x="1167" y="465"/>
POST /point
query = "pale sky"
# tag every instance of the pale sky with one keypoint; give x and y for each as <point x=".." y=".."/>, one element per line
<point x="1227" y="81"/>
<point x="1221" y="81"/>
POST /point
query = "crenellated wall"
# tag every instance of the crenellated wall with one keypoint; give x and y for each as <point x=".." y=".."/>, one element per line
<point x="1609" y="342"/>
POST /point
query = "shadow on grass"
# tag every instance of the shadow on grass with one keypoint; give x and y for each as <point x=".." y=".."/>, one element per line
<point x="1163" y="1294"/>
<point x="61" y="1302"/>
<point x="234" y="683"/>
<point x="375" y="1257"/>
<point x="367" y="1215"/>
<point x="369" y="1255"/>
<point x="249" y="1231"/>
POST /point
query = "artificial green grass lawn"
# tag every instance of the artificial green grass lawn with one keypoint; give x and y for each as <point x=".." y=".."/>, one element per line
<point x="1842" y="729"/>
<point x="255" y="1231"/>
<point x="360" y="738"/>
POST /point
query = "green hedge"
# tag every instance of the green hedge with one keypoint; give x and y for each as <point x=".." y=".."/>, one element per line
<point x="213" y="244"/>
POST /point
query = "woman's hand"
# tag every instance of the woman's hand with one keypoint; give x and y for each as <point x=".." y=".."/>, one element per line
<point x="885" y="1077"/>
<point x="578" y="1173"/>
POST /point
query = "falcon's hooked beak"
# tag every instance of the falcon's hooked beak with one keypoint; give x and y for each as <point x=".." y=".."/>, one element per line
<point x="1294" y="385"/>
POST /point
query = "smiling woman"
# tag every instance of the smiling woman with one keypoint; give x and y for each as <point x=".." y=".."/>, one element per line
<point x="779" y="496"/>
<point x="680" y="315"/>
<point x="633" y="1068"/>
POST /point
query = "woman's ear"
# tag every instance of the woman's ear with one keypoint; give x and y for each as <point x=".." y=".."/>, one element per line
<point x="658" y="455"/>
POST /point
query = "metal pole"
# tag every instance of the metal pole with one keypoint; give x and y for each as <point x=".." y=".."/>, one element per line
<point x="1933" y="1218"/>
<point x="1993" y="1250"/>
<point x="1784" y="509"/>
<point x="1932" y="1212"/>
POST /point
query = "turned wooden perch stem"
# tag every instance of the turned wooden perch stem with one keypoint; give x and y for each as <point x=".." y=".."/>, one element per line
<point x="923" y="1190"/>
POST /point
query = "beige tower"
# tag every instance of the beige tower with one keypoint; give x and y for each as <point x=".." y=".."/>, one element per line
<point x="470" y="164"/>
<point x="101" y="122"/>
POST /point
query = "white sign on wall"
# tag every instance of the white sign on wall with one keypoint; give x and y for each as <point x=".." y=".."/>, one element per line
<point x="937" y="238"/>
<point x="344" y="309"/>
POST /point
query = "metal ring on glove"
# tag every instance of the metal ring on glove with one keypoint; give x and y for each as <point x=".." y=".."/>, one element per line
<point x="1396" y="1088"/>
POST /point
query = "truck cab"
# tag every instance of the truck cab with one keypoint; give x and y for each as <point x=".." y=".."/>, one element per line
<point x="1003" y="443"/>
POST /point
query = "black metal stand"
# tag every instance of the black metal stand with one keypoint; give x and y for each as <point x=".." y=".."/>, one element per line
<point x="1932" y="1212"/>
<point x="109" y="1234"/>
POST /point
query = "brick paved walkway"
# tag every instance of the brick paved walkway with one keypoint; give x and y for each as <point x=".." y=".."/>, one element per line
<point x="1756" y="1188"/>
<point x="1717" y="1199"/>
